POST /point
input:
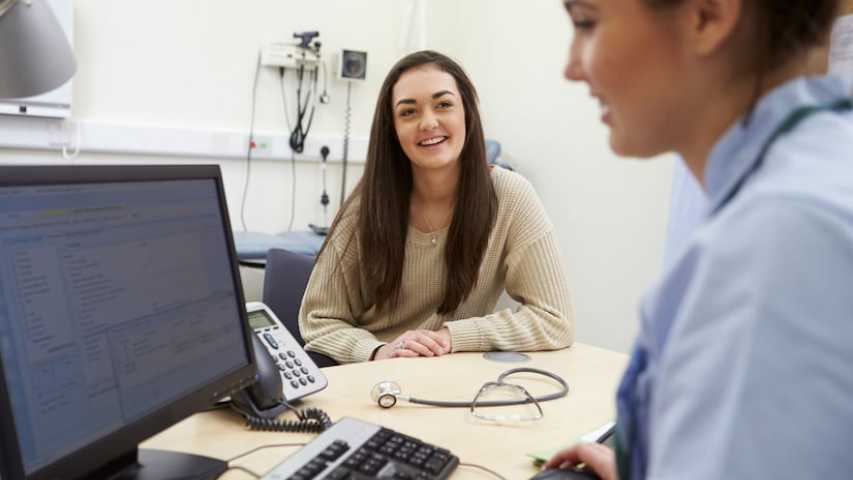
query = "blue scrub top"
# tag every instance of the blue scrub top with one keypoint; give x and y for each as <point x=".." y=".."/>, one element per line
<point x="744" y="363"/>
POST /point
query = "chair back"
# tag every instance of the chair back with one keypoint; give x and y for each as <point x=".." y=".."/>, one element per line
<point x="285" y="279"/>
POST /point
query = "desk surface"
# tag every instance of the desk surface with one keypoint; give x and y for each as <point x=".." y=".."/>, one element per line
<point x="592" y="374"/>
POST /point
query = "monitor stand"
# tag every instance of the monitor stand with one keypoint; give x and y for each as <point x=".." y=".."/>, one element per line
<point x="164" y="465"/>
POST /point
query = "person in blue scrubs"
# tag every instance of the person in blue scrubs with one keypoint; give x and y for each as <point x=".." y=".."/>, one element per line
<point x="743" y="367"/>
<point x="688" y="202"/>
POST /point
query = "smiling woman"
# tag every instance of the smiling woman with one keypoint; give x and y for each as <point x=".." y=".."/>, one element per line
<point x="431" y="236"/>
<point x="742" y="362"/>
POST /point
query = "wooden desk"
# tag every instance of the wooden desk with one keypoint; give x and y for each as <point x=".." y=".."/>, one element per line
<point x="592" y="374"/>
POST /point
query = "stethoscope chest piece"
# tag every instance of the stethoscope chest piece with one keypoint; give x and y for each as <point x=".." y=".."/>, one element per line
<point x="385" y="393"/>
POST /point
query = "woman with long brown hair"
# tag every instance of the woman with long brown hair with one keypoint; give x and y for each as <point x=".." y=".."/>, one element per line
<point x="432" y="235"/>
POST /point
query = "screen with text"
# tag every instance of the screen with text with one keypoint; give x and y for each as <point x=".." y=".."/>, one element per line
<point x="115" y="300"/>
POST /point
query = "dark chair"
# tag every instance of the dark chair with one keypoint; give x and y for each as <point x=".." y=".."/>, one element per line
<point x="285" y="280"/>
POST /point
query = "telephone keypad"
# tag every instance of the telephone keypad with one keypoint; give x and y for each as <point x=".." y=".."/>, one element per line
<point x="291" y="354"/>
<point x="298" y="362"/>
<point x="304" y="370"/>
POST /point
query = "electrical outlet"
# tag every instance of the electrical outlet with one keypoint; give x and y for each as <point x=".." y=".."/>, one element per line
<point x="263" y="146"/>
<point x="288" y="56"/>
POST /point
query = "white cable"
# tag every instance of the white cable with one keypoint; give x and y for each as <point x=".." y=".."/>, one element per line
<point x="77" y="139"/>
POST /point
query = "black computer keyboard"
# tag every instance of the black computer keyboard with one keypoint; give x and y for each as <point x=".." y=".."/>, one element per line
<point x="355" y="450"/>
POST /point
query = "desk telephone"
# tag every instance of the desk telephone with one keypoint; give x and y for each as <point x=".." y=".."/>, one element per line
<point x="285" y="374"/>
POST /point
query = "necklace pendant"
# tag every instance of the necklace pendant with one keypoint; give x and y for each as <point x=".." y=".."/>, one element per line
<point x="434" y="241"/>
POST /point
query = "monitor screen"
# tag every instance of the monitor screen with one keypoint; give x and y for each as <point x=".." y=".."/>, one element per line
<point x="117" y="299"/>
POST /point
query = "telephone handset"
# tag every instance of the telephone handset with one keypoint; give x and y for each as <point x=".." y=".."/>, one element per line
<point x="285" y="374"/>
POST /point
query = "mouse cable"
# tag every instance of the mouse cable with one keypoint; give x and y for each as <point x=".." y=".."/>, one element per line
<point x="264" y="447"/>
<point x="480" y="467"/>
<point x="241" y="469"/>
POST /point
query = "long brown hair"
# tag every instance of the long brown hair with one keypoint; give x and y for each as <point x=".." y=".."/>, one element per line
<point x="385" y="190"/>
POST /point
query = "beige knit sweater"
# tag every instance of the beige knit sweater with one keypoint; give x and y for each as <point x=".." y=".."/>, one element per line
<point x="522" y="257"/>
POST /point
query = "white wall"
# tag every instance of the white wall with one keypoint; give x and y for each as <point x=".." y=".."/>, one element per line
<point x="188" y="64"/>
<point x="610" y="213"/>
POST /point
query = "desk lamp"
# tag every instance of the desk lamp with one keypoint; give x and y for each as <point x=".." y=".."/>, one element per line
<point x="35" y="56"/>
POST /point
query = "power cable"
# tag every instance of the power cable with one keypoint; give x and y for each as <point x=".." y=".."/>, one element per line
<point x="250" y="147"/>
<point x="345" y="155"/>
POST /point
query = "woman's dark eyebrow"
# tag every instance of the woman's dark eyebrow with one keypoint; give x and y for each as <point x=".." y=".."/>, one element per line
<point x="569" y="4"/>
<point x="412" y="101"/>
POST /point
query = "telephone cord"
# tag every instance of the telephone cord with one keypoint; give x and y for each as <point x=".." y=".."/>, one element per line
<point x="311" y="420"/>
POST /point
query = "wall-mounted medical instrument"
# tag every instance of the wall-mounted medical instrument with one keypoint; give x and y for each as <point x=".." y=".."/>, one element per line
<point x="305" y="59"/>
<point x="324" y="197"/>
<point x="387" y="393"/>
<point x="351" y="66"/>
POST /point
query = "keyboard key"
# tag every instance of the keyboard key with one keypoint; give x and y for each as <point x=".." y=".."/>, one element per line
<point x="374" y="443"/>
<point x="402" y="455"/>
<point x="340" y="473"/>
<point x="434" y="465"/>
<point x="372" y="466"/>
<point x="334" y="451"/>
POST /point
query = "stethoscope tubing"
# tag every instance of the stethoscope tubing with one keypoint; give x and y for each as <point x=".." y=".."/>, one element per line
<point x="564" y="390"/>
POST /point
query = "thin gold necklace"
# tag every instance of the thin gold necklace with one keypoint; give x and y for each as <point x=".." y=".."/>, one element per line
<point x="432" y="232"/>
<point x="433" y="239"/>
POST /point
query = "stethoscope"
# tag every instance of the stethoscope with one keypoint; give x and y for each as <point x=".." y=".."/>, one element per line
<point x="387" y="393"/>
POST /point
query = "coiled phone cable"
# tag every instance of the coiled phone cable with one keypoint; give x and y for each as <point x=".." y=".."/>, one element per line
<point x="310" y="420"/>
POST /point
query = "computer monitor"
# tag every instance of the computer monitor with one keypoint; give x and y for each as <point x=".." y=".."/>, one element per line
<point x="121" y="313"/>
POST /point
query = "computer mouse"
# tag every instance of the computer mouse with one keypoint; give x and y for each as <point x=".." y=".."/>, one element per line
<point x="564" y="474"/>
